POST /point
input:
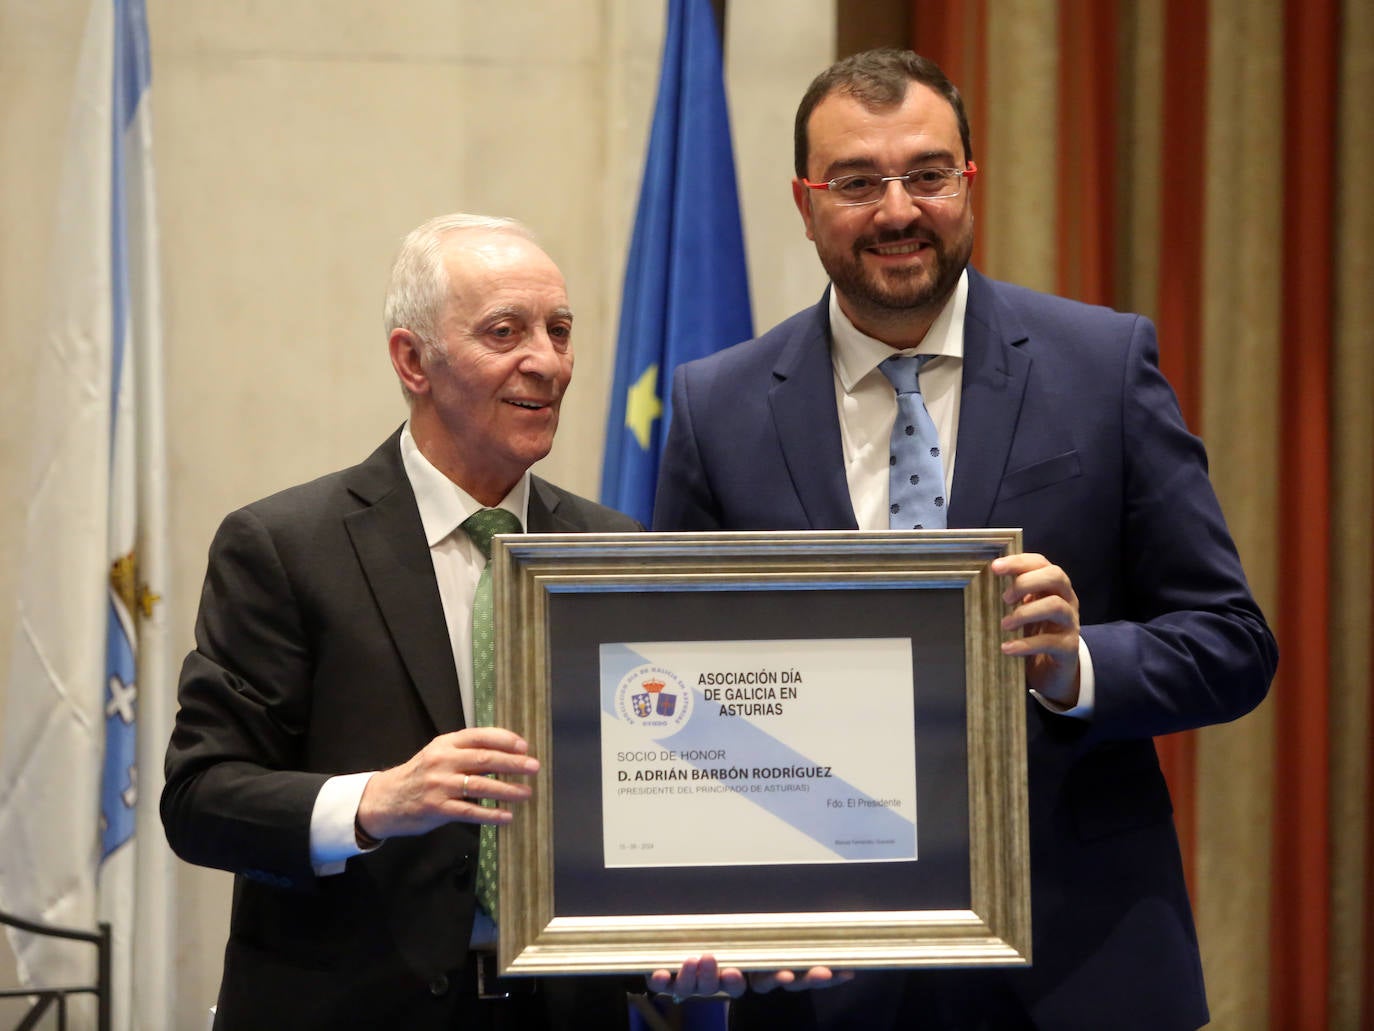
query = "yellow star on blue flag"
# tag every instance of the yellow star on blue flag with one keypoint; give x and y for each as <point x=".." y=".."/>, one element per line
<point x="642" y="406"/>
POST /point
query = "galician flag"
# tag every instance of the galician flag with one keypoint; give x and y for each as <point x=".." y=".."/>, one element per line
<point x="90" y="697"/>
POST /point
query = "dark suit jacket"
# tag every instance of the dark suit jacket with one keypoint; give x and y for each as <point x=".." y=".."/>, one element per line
<point x="321" y="649"/>
<point x="1068" y="430"/>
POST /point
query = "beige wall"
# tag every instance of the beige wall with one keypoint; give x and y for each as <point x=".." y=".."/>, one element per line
<point x="295" y="143"/>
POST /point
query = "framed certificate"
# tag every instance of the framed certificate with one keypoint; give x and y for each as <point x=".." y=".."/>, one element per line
<point x="785" y="749"/>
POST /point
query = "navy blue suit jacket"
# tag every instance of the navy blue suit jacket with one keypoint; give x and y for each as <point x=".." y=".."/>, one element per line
<point x="1068" y="430"/>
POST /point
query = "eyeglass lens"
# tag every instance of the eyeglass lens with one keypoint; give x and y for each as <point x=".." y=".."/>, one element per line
<point x="927" y="183"/>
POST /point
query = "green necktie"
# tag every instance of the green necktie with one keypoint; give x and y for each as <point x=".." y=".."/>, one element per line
<point x="482" y="526"/>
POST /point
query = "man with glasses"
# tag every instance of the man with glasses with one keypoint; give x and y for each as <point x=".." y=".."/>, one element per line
<point x="920" y="394"/>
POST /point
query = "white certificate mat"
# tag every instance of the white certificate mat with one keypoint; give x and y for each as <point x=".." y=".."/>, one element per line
<point x="757" y="752"/>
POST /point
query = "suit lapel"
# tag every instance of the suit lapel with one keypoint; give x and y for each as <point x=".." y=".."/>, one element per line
<point x="996" y="371"/>
<point x="543" y="515"/>
<point x="803" y="403"/>
<point x="390" y="543"/>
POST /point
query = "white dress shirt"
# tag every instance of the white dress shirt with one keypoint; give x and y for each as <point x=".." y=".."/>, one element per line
<point x="867" y="405"/>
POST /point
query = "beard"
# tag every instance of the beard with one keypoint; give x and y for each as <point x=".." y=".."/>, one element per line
<point x="884" y="293"/>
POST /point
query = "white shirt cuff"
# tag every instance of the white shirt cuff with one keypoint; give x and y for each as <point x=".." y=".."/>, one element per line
<point x="1087" y="688"/>
<point x="332" y="841"/>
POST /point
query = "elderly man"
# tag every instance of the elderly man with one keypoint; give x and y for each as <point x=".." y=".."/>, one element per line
<point x="331" y="750"/>
<point x="919" y="394"/>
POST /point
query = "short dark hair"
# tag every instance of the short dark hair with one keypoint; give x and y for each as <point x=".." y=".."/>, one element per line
<point x="877" y="79"/>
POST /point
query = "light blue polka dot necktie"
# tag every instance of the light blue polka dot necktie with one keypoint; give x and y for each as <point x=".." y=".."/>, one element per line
<point x="916" y="473"/>
<point x="482" y="526"/>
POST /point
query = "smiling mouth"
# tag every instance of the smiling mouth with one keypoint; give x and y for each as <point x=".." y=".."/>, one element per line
<point x="529" y="406"/>
<point x="894" y="249"/>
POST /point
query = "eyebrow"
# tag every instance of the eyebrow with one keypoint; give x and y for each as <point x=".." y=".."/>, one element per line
<point x="863" y="164"/>
<point x="504" y="311"/>
<point x="514" y="311"/>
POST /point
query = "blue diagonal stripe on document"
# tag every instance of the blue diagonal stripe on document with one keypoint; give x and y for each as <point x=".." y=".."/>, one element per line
<point x="706" y="731"/>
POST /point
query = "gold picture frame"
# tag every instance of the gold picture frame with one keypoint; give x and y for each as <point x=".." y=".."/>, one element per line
<point x="559" y="914"/>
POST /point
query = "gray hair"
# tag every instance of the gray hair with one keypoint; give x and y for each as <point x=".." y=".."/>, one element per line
<point x="419" y="285"/>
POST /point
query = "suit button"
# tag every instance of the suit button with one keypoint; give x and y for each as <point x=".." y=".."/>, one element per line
<point x="439" y="985"/>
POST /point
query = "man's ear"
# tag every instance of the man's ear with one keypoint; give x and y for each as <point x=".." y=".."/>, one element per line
<point x="801" y="196"/>
<point x="407" y="358"/>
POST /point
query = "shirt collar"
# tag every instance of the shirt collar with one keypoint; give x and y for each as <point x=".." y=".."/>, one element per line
<point x="855" y="354"/>
<point x="443" y="504"/>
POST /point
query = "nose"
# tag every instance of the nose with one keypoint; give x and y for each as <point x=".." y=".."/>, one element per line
<point x="896" y="206"/>
<point x="541" y="358"/>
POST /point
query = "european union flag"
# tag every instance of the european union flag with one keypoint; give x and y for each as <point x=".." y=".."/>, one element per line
<point x="686" y="287"/>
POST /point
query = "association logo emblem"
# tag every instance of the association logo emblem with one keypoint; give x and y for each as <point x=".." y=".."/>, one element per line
<point x="653" y="698"/>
